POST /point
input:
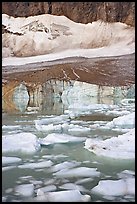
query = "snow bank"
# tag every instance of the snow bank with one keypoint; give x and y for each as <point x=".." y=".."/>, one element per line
<point x="21" y="142"/>
<point x="50" y="36"/>
<point x="121" y="147"/>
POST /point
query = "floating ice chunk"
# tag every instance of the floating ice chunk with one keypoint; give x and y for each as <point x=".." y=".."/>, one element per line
<point x="72" y="186"/>
<point x="85" y="180"/>
<point x="77" y="129"/>
<point x="4" y="198"/>
<point x="130" y="184"/>
<point x="62" y="196"/>
<point x="65" y="165"/>
<point x="115" y="187"/>
<point x="25" y="189"/>
<point x="5" y="168"/>
<point x="49" y="181"/>
<point x="11" y="126"/>
<point x="51" y="123"/>
<point x="37" y="165"/>
<point x="77" y="109"/>
<point x="10" y="160"/>
<point x="23" y="142"/>
<point x="48" y="128"/>
<point x="118" y="112"/>
<point x="77" y="172"/>
<point x="54" y="138"/>
<point x="126" y="174"/>
<point x="47" y="188"/>
<point x="54" y="157"/>
<point x="121" y="147"/>
<point x="8" y="190"/>
<point x="52" y="119"/>
<point x="92" y="107"/>
<point x="125" y="121"/>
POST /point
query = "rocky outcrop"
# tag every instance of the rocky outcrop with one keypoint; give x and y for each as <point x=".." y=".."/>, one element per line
<point x="81" y="12"/>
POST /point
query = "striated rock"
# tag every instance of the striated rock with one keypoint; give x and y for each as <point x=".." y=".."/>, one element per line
<point x="81" y="12"/>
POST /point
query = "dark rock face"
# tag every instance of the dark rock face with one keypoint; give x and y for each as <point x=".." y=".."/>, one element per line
<point x="81" y="12"/>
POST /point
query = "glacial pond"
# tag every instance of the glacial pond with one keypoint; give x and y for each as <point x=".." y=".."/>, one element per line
<point x="35" y="169"/>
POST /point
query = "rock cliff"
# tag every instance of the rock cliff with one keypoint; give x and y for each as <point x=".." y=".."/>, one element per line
<point x="80" y="12"/>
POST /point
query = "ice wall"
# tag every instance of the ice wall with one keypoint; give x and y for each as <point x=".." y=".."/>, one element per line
<point x="45" y="34"/>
